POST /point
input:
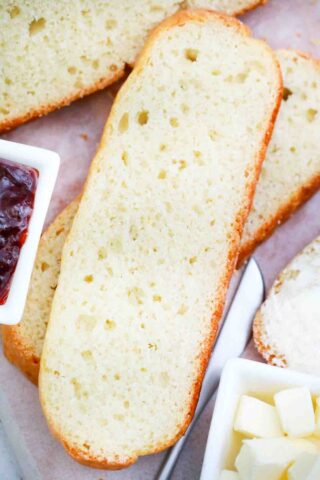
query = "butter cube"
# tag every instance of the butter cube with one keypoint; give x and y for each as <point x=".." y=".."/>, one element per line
<point x="302" y="466"/>
<point x="255" y="418"/>
<point x="314" y="474"/>
<point x="268" y="459"/>
<point x="295" y="410"/>
<point x="317" y="431"/>
<point x="229" y="475"/>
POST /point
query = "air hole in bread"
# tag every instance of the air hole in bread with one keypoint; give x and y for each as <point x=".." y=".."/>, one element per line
<point x="117" y="376"/>
<point x="293" y="149"/>
<point x="162" y="174"/>
<point x="213" y="134"/>
<point x="192" y="260"/>
<point x="133" y="232"/>
<point x="44" y="266"/>
<point x="183" y="164"/>
<point x="311" y="114"/>
<point x="37" y="26"/>
<point x="174" y="122"/>
<point x="286" y="93"/>
<point x="88" y="278"/>
<point x="95" y="64"/>
<point x="126" y="404"/>
<point x="191" y="54"/>
<point x="76" y="387"/>
<point x="157" y="298"/>
<point x="163" y="147"/>
<point x="123" y="123"/>
<point x="3" y="110"/>
<point x="182" y="309"/>
<point x="8" y="81"/>
<point x="124" y="158"/>
<point x="110" y="23"/>
<point x="185" y="108"/>
<point x="142" y="325"/>
<point x="87" y="355"/>
<point x="102" y="253"/>
<point x="72" y="70"/>
<point x="78" y="83"/>
<point x="215" y="72"/>
<point x="14" y="11"/>
<point x="116" y="245"/>
<point x="113" y="68"/>
<point x="119" y="417"/>
<point x="143" y="117"/>
<point x="109" y="324"/>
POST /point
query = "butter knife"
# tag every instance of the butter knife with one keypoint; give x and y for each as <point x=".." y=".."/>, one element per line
<point x="232" y="339"/>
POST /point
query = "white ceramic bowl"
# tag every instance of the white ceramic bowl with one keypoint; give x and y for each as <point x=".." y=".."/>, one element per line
<point x="47" y="164"/>
<point x="243" y="377"/>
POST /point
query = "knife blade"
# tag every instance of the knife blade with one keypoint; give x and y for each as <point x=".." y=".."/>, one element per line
<point x="232" y="339"/>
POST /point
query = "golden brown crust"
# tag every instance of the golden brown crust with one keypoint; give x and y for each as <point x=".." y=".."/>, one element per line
<point x="45" y="109"/>
<point x="285" y="211"/>
<point x="253" y="5"/>
<point x="179" y="19"/>
<point x="297" y="199"/>
<point x="21" y="354"/>
<point x="18" y="354"/>
<point x="266" y="351"/>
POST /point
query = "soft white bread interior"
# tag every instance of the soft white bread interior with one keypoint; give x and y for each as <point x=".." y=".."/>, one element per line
<point x="55" y="52"/>
<point x="23" y="343"/>
<point x="287" y="327"/>
<point x="284" y="175"/>
<point x="291" y="170"/>
<point x="147" y="262"/>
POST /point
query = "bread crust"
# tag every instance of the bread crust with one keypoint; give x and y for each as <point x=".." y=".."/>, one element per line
<point x="281" y="216"/>
<point x="20" y="355"/>
<point x="296" y="200"/>
<point x="45" y="109"/>
<point x="102" y="83"/>
<point x="23" y="355"/>
<point x="254" y="4"/>
<point x="266" y="351"/>
<point x="181" y="18"/>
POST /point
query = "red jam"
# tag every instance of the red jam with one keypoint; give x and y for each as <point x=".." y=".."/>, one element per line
<point x="18" y="184"/>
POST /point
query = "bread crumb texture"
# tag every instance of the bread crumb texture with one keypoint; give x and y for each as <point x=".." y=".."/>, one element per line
<point x="146" y="264"/>
<point x="287" y="329"/>
<point x="54" y="52"/>
<point x="291" y="170"/>
<point x="23" y="343"/>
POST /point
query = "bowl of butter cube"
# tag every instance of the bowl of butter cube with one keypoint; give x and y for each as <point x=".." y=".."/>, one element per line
<point x="265" y="425"/>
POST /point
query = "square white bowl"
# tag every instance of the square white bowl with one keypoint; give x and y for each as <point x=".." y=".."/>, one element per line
<point x="240" y="377"/>
<point x="47" y="163"/>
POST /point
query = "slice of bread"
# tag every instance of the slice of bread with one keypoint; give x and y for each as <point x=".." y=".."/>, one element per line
<point x="23" y="343"/>
<point x="291" y="170"/>
<point x="287" y="328"/>
<point x="17" y="339"/>
<point x="147" y="262"/>
<point x="55" y="52"/>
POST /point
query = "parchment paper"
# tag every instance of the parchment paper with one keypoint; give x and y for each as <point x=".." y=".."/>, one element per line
<point x="74" y="132"/>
